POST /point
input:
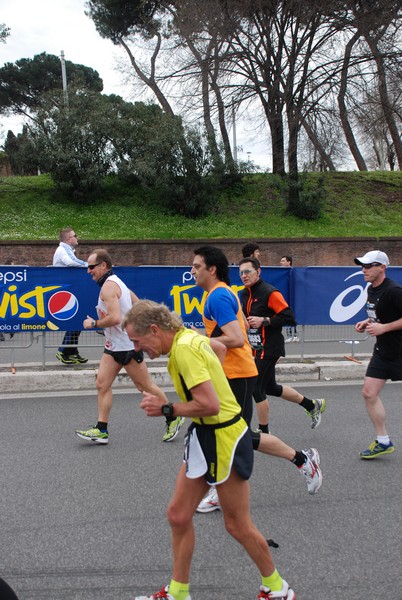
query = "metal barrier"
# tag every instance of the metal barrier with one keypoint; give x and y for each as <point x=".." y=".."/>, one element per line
<point x="313" y="341"/>
<point x="319" y="339"/>
<point x="88" y="339"/>
<point x="10" y="343"/>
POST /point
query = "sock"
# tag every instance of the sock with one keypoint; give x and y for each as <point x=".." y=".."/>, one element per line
<point x="299" y="459"/>
<point x="101" y="426"/>
<point x="273" y="582"/>
<point x="307" y="404"/>
<point x="179" y="591"/>
<point x="384" y="440"/>
<point x="264" y="428"/>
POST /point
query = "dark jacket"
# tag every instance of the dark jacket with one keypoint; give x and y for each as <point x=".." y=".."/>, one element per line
<point x="264" y="300"/>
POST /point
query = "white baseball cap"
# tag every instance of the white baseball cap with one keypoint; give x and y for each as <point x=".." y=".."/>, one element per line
<point x="374" y="256"/>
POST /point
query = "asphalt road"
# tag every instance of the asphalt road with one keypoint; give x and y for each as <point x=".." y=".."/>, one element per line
<point x="82" y="522"/>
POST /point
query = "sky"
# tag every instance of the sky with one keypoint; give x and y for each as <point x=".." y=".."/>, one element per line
<point x="53" y="26"/>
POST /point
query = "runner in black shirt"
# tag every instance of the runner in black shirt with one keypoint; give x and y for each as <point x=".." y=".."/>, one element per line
<point x="384" y="321"/>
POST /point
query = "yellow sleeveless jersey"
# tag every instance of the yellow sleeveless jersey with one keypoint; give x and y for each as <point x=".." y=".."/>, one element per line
<point x="191" y="362"/>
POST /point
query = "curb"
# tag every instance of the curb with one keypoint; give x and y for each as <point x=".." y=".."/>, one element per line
<point x="25" y="381"/>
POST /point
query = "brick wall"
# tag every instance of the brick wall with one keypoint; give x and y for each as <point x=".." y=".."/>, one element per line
<point x="306" y="252"/>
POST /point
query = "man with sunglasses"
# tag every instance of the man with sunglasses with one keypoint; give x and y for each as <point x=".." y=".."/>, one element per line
<point x="65" y="257"/>
<point x="267" y="311"/>
<point x="225" y="322"/>
<point x="115" y="299"/>
<point x="384" y="321"/>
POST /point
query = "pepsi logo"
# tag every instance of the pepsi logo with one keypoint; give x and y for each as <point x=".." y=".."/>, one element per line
<point x="63" y="305"/>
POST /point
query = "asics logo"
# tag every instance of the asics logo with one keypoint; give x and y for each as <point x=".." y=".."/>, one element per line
<point x="340" y="310"/>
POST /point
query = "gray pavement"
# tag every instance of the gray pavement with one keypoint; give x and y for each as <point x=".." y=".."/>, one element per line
<point x="81" y="522"/>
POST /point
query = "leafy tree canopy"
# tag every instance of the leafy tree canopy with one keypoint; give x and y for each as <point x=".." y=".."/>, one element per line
<point x="22" y="83"/>
<point x="21" y="153"/>
<point x="4" y="32"/>
<point x="116" y="19"/>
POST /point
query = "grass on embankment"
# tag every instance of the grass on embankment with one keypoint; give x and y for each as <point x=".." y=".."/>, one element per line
<point x="358" y="204"/>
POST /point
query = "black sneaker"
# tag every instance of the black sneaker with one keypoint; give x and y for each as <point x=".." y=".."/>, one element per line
<point x="78" y="359"/>
<point x="66" y="360"/>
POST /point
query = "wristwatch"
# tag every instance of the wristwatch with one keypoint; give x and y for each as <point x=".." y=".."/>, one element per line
<point x="265" y="321"/>
<point x="167" y="409"/>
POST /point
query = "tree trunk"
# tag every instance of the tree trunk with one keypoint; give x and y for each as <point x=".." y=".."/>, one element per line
<point x="150" y="81"/>
<point x="293" y="125"/>
<point x="204" y="66"/>
<point x="273" y="112"/>
<point x="343" y="112"/>
<point x="326" y="160"/>
<point x="229" y="161"/>
<point x="385" y="99"/>
<point x="277" y="144"/>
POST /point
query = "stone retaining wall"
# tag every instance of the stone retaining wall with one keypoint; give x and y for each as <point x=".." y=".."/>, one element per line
<point x="305" y="252"/>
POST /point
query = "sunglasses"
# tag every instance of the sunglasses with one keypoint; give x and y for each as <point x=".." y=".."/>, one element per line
<point x="246" y="272"/>
<point x="371" y="265"/>
<point x="91" y="267"/>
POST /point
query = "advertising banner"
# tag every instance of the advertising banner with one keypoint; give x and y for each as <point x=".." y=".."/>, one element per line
<point x="331" y="295"/>
<point x="54" y="298"/>
<point x="57" y="298"/>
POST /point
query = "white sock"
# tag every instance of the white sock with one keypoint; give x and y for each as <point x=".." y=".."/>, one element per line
<point x="383" y="439"/>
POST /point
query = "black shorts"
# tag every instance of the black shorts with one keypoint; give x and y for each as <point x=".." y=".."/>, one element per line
<point x="379" y="368"/>
<point x="224" y="446"/>
<point x="242" y="389"/>
<point x="266" y="381"/>
<point x="123" y="357"/>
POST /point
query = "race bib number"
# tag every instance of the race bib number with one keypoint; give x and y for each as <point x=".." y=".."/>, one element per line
<point x="254" y="337"/>
<point x="370" y="308"/>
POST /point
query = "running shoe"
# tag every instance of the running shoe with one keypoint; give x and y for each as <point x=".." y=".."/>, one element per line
<point x="78" y="359"/>
<point x="65" y="359"/>
<point x="311" y="470"/>
<point x="210" y="502"/>
<point x="93" y="434"/>
<point x="172" y="429"/>
<point x="377" y="449"/>
<point x="286" y="593"/>
<point x="316" y="413"/>
<point x="162" y="595"/>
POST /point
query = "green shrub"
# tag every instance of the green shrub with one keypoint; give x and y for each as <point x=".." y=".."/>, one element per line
<point x="303" y="201"/>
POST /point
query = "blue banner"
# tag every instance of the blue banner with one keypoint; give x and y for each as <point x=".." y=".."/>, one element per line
<point x="331" y="295"/>
<point x="53" y="298"/>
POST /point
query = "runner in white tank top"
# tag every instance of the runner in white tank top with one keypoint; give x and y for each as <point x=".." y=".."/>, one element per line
<point x="116" y="338"/>
<point x="115" y="299"/>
